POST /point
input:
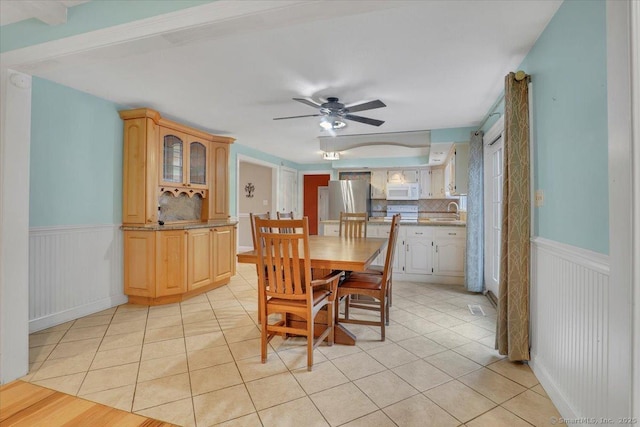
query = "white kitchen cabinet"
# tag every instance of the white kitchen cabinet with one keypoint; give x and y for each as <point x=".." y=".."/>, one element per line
<point x="378" y="184"/>
<point x="457" y="170"/>
<point x="425" y="183"/>
<point x="382" y="231"/>
<point x="331" y="230"/>
<point x="418" y="245"/>
<point x="449" y="251"/>
<point x="460" y="168"/>
<point x="402" y="176"/>
<point x="437" y="183"/>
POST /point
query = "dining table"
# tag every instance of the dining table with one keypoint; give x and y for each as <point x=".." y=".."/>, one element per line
<point x="330" y="253"/>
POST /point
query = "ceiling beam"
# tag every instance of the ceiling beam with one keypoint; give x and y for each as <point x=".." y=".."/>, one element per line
<point x="47" y="11"/>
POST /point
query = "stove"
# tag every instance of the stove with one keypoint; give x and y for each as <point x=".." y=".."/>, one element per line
<point x="408" y="213"/>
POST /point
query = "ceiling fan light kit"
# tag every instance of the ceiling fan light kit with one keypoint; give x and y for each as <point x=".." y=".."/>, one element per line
<point x="330" y="155"/>
<point x="331" y="123"/>
<point x="334" y="113"/>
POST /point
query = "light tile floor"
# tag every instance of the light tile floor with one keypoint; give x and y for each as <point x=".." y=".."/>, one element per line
<point x="198" y="364"/>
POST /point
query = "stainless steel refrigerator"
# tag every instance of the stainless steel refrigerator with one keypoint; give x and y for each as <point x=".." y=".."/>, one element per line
<point x="349" y="196"/>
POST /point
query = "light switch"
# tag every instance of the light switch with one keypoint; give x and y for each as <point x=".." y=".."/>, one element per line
<point x="265" y="203"/>
<point x="539" y="201"/>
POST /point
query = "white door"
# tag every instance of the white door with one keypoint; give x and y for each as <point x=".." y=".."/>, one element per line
<point x="493" y="174"/>
<point x="449" y="257"/>
<point x="288" y="190"/>
<point x="323" y="204"/>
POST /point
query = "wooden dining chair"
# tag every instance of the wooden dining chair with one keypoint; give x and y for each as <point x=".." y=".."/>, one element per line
<point x="285" y="215"/>
<point x="285" y="265"/>
<point x="371" y="285"/>
<point x="379" y="270"/>
<point x="353" y="224"/>
<point x="253" y="217"/>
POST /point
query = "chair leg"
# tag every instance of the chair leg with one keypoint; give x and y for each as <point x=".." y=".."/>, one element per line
<point x="382" y="318"/>
<point x="263" y="338"/>
<point x="390" y="293"/>
<point x="330" y="310"/>
<point x="347" y="302"/>
<point x="310" y="339"/>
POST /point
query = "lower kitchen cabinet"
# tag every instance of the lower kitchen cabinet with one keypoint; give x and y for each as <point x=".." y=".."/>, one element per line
<point x="450" y="252"/>
<point x="200" y="251"/>
<point x="223" y="253"/>
<point x="417" y="255"/>
<point x="425" y="253"/>
<point x="162" y="267"/>
<point x="171" y="265"/>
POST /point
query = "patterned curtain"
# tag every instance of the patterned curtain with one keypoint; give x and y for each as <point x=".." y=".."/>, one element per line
<point x="474" y="277"/>
<point x="513" y="302"/>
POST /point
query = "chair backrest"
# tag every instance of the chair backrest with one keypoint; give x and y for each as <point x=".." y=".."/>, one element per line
<point x="253" y="218"/>
<point x="284" y="263"/>
<point x="391" y="250"/>
<point x="353" y="224"/>
<point x="285" y="215"/>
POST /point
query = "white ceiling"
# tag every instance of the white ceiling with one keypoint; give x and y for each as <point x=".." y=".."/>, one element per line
<point x="436" y="64"/>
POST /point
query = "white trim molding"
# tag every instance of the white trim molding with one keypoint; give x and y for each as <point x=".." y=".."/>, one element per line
<point x="73" y="271"/>
<point x="622" y="87"/>
<point x="15" y="142"/>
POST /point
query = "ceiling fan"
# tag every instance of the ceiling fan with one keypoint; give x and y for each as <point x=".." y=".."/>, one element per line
<point x="334" y="111"/>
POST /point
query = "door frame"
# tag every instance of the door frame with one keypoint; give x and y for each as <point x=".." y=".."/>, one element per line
<point x="274" y="188"/>
<point x="495" y="132"/>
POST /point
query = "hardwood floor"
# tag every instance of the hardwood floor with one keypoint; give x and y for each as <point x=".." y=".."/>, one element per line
<point x="25" y="404"/>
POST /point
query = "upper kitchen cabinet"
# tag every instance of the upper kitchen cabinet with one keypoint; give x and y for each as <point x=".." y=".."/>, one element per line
<point x="457" y="179"/>
<point x="378" y="184"/>
<point x="402" y="176"/>
<point x="425" y="183"/>
<point x="437" y="183"/>
<point x="162" y="156"/>
<point x="219" y="181"/>
<point x="184" y="159"/>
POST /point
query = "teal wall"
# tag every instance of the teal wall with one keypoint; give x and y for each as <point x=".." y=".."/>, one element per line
<point x="94" y="15"/>
<point x="569" y="79"/>
<point x="76" y="158"/>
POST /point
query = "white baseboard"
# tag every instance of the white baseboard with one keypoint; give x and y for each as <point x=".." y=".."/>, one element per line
<point x="54" y="319"/>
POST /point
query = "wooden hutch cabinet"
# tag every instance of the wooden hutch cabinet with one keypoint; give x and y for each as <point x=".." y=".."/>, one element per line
<point x="174" y="259"/>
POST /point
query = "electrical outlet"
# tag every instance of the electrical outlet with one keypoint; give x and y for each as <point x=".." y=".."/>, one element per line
<point x="539" y="200"/>
<point x="265" y="203"/>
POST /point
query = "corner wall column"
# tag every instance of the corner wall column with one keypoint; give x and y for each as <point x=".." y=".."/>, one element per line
<point x="15" y="139"/>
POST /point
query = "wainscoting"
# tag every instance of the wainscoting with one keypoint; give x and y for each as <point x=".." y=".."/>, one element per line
<point x="569" y="326"/>
<point x="73" y="271"/>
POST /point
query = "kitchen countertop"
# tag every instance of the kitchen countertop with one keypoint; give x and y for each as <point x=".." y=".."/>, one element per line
<point x="178" y="226"/>
<point x="420" y="222"/>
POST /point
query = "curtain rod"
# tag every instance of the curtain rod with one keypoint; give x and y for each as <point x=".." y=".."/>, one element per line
<point x="520" y="75"/>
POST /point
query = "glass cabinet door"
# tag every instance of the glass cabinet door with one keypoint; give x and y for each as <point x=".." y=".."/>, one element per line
<point x="172" y="158"/>
<point x="197" y="163"/>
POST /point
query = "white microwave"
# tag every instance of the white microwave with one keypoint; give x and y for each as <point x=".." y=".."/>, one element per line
<point x="406" y="191"/>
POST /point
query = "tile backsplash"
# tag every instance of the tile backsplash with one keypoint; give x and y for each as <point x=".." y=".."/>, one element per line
<point x="179" y="208"/>
<point x="426" y="207"/>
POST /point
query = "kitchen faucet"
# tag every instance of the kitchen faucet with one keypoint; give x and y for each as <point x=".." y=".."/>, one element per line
<point x="457" y="208"/>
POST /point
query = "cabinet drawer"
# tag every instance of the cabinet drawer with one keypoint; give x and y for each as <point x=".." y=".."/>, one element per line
<point x="451" y="232"/>
<point x="419" y="231"/>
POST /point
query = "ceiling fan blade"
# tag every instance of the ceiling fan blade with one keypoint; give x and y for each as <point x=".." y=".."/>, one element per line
<point x="297" y="117"/>
<point x="365" y="120"/>
<point x="367" y="106"/>
<point x="308" y="102"/>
